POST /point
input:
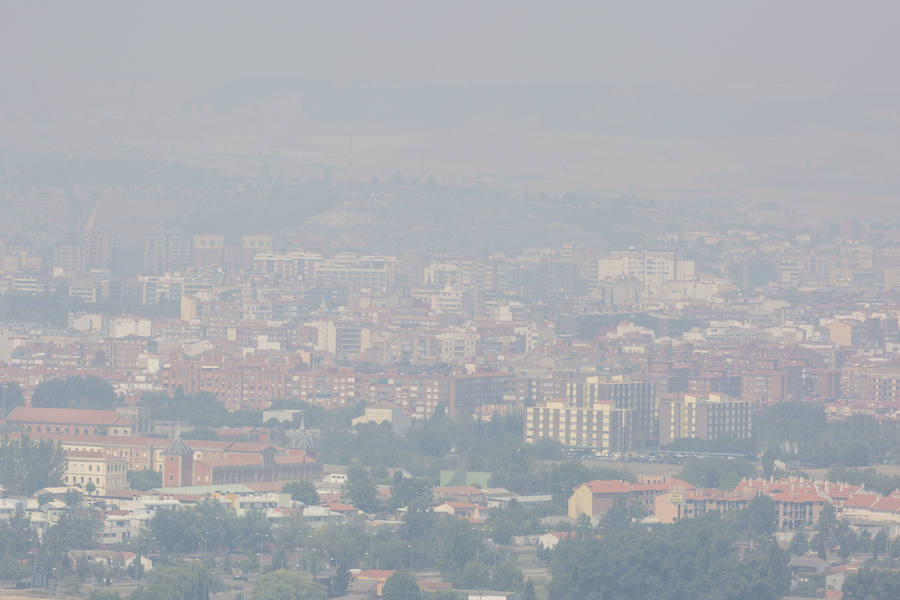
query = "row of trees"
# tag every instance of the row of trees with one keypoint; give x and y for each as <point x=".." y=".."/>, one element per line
<point x="28" y="465"/>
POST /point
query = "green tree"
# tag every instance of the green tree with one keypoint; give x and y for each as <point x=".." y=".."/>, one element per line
<point x="13" y="568"/>
<point x="175" y="530"/>
<point x="407" y="489"/>
<point x="869" y="584"/>
<point x="302" y="491"/>
<point x="583" y="526"/>
<point x="286" y="585"/>
<point x="146" y="479"/>
<point x="188" y="581"/>
<point x="506" y="576"/>
<point x="10" y="398"/>
<point x="16" y="535"/>
<point x="502" y="532"/>
<point x="202" y="433"/>
<point x="27" y="466"/>
<point x="528" y="592"/>
<point x="768" y="463"/>
<point x="799" y="543"/>
<point x="716" y="472"/>
<point x="762" y="516"/>
<point x="401" y="586"/>
<point x="73" y="497"/>
<point x="88" y="391"/>
<point x="360" y="489"/>
<point x="473" y="575"/>
<point x="694" y="558"/>
<point x="202" y="409"/>
<point x="36" y="308"/>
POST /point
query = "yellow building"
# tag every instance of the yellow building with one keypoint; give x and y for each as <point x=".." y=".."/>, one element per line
<point x="104" y="470"/>
<point x="600" y="427"/>
<point x="705" y="418"/>
<point x="595" y="498"/>
<point x="385" y="412"/>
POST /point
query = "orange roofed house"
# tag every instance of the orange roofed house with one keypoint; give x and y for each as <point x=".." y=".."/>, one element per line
<point x="183" y="467"/>
<point x="595" y="498"/>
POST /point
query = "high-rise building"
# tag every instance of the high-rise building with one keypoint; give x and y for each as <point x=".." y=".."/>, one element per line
<point x="650" y="267"/>
<point x="166" y="251"/>
<point x="714" y="417"/>
<point x="600" y="427"/>
<point x="636" y="396"/>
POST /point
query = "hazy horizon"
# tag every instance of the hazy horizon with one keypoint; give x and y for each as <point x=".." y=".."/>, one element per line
<point x="763" y="102"/>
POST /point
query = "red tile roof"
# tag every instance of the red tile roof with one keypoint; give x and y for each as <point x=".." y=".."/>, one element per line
<point x="68" y="416"/>
<point x="238" y="460"/>
<point x="380" y="574"/>
<point x="861" y="501"/>
<point x="610" y="486"/>
<point x="887" y="504"/>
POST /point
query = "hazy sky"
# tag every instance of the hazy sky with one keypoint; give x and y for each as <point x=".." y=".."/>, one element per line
<point x="789" y="91"/>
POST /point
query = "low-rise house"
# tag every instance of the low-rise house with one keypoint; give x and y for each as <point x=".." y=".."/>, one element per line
<point x="378" y="576"/>
<point x="459" y="509"/>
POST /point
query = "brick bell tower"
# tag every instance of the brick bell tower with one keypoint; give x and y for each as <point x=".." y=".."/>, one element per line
<point x="178" y="464"/>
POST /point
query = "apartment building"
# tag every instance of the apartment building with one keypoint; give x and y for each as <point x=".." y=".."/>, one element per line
<point x="715" y="416"/>
<point x="600" y="427"/>
<point x="637" y="396"/>
<point x="650" y="267"/>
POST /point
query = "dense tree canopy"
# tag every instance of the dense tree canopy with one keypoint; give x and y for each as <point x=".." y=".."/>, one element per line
<point x="302" y="491"/>
<point x="52" y="309"/>
<point x="401" y="586"/>
<point x="75" y="391"/>
<point x="359" y="488"/>
<point x="187" y="581"/>
<point x="870" y="478"/>
<point x="10" y="397"/>
<point x="870" y="584"/>
<point x="28" y="465"/>
<point x="815" y="441"/>
<point x="147" y="479"/>
<point x="202" y="409"/>
<point x="286" y="585"/>
<point x="211" y="525"/>
<point x="716" y="472"/>
<point x="695" y="558"/>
